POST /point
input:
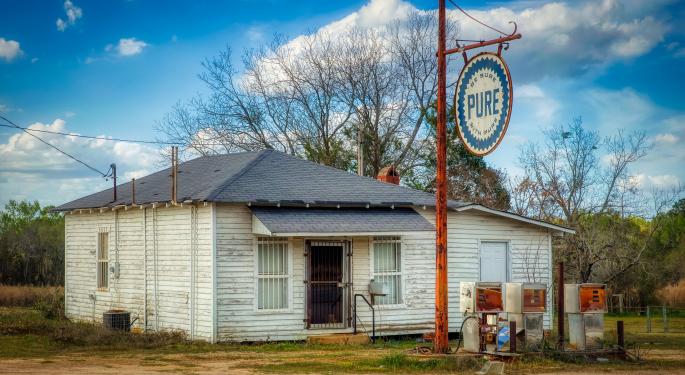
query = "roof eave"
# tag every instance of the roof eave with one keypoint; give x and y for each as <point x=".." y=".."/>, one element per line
<point x="514" y="216"/>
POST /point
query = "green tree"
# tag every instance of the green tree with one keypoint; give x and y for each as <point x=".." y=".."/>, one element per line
<point x="469" y="177"/>
<point x="31" y="244"/>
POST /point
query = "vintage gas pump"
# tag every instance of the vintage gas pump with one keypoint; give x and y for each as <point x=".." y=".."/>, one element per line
<point x="482" y="304"/>
<point x="585" y="306"/>
<point x="526" y="305"/>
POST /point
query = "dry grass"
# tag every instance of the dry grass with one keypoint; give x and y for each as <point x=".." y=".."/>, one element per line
<point x="26" y="296"/>
<point x="673" y="295"/>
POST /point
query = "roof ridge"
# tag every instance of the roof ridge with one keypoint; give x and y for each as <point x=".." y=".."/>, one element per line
<point x="356" y="175"/>
<point x="260" y="156"/>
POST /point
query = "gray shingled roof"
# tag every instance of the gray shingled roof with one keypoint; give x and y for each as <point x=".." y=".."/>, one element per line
<point x="287" y="220"/>
<point x="262" y="178"/>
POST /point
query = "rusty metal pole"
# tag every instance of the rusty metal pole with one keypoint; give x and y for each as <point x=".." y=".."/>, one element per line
<point x="560" y="305"/>
<point x="441" y="343"/>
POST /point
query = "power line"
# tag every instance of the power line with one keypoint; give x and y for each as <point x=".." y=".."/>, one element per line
<point x="55" y="147"/>
<point x="200" y="143"/>
<point x="476" y="20"/>
<point x="88" y="136"/>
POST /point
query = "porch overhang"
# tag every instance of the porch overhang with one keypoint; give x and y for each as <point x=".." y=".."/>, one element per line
<point x="327" y="222"/>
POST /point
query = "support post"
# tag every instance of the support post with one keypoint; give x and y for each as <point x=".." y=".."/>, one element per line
<point x="560" y="305"/>
<point x="620" y="335"/>
<point x="114" y="178"/>
<point x="512" y="336"/>
<point x="664" y="313"/>
<point x="441" y="342"/>
<point x="649" y="321"/>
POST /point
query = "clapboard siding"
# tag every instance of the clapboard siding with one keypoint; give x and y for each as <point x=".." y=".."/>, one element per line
<point x="177" y="232"/>
<point x="529" y="253"/>
<point x="159" y="244"/>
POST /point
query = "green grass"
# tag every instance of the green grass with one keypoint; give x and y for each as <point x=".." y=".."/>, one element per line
<point x="25" y="333"/>
<point x="397" y="362"/>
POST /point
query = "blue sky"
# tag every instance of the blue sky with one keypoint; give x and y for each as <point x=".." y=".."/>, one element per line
<point x="115" y="68"/>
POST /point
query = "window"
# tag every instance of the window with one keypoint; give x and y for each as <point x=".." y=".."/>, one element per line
<point x="387" y="269"/>
<point x="103" y="260"/>
<point x="272" y="274"/>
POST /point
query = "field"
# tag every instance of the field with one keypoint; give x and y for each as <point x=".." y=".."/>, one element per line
<point x="30" y="343"/>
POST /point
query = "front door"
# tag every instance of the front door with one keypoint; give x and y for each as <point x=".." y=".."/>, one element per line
<point x="493" y="261"/>
<point x="326" y="297"/>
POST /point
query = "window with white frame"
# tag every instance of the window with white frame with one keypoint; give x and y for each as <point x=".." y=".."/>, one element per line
<point x="103" y="260"/>
<point x="387" y="269"/>
<point x="272" y="273"/>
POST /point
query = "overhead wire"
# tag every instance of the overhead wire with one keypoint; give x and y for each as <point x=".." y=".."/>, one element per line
<point x="90" y="136"/>
<point x="475" y="19"/>
<point x="102" y="138"/>
<point x="56" y="148"/>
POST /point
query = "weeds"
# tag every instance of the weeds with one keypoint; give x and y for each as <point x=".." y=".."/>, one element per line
<point x="403" y="362"/>
<point x="673" y="295"/>
<point x="27" y="296"/>
<point x="51" y="306"/>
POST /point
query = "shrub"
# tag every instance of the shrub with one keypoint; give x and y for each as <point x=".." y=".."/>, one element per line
<point x="51" y="306"/>
<point x="673" y="295"/>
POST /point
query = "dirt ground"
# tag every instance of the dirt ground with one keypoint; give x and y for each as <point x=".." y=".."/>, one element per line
<point x="250" y="363"/>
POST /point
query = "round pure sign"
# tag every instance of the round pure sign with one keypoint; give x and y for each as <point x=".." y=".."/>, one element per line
<point x="483" y="103"/>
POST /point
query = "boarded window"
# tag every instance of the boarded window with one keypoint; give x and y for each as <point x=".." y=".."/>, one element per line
<point x="387" y="269"/>
<point x="272" y="274"/>
<point x="103" y="260"/>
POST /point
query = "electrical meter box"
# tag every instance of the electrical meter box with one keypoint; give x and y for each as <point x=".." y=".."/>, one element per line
<point x="480" y="297"/>
<point x="377" y="288"/>
<point x="585" y="298"/>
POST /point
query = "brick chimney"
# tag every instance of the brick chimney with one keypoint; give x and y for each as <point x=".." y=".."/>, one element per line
<point x="389" y="175"/>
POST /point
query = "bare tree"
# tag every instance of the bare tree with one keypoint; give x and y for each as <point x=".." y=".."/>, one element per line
<point x="582" y="181"/>
<point x="318" y="95"/>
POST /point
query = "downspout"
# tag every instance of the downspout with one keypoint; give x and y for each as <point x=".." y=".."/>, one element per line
<point x="550" y="277"/>
<point x="145" y="269"/>
<point x="66" y="260"/>
<point x="215" y="327"/>
<point x="193" y="240"/>
<point x="116" y="256"/>
<point x="154" y="248"/>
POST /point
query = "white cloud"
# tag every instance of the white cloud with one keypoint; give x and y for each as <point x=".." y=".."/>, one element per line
<point x="565" y="39"/>
<point x="667" y="138"/>
<point x="9" y="49"/>
<point x="73" y="13"/>
<point x="127" y="47"/>
<point x="32" y="170"/>
<point x="255" y="34"/>
<point x="664" y="181"/>
<point x="534" y="98"/>
<point x="559" y="39"/>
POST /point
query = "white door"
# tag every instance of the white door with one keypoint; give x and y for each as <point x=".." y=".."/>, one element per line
<point x="493" y="262"/>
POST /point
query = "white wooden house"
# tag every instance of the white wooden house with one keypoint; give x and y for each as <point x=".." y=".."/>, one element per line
<point x="265" y="246"/>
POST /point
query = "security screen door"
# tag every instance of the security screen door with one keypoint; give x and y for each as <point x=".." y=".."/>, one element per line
<point x="327" y="286"/>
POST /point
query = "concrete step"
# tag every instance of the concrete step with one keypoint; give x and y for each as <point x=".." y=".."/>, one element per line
<point x="340" y="339"/>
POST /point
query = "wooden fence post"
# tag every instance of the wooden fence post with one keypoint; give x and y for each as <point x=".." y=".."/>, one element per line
<point x="620" y="335"/>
